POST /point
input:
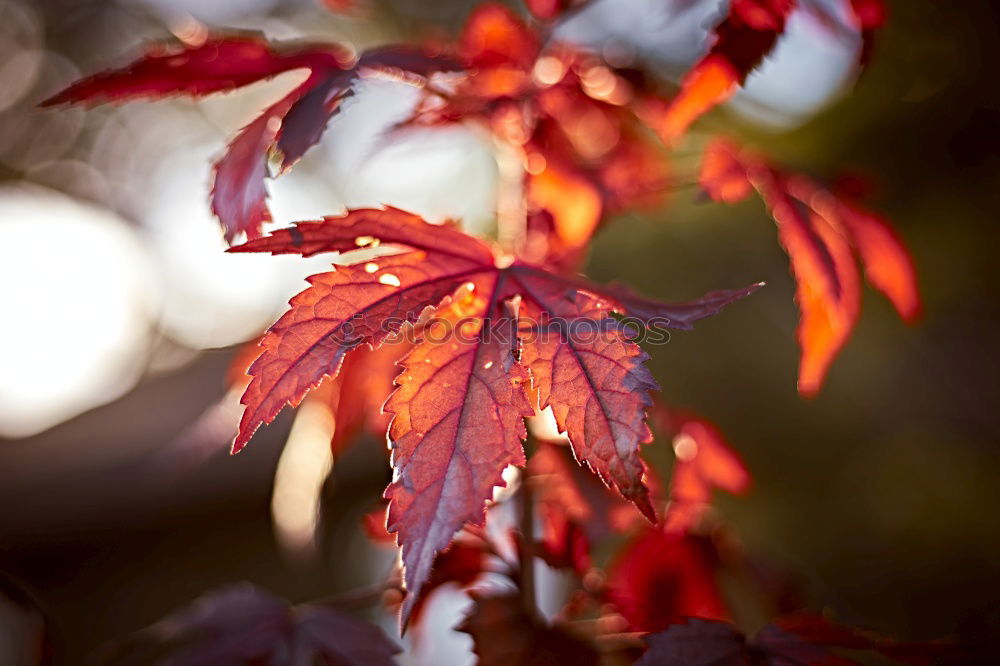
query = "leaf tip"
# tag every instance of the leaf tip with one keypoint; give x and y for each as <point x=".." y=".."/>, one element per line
<point x="808" y="388"/>
<point x="239" y="443"/>
<point x="53" y="100"/>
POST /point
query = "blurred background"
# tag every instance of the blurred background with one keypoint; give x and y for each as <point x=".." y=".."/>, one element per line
<point x="121" y="315"/>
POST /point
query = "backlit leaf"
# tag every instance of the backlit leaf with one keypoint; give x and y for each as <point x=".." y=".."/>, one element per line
<point x="661" y="577"/>
<point x="289" y="126"/>
<point x="824" y="236"/>
<point x="747" y="34"/>
<point x="498" y="328"/>
<point x="457" y="423"/>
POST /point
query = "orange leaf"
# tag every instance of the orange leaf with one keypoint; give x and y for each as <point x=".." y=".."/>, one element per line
<point x="746" y="35"/>
<point x="828" y="288"/>
<point x="723" y="176"/>
<point x="711" y="82"/>
<point x="289" y="126"/>
<point x="821" y="234"/>
<point x="493" y="36"/>
<point x="573" y="201"/>
<point x="888" y="266"/>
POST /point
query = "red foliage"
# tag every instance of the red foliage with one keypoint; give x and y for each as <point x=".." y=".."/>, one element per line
<point x="489" y="336"/>
<point x="576" y="510"/>
<point x="461" y="396"/>
<point x="741" y="40"/>
<point x="705" y="462"/>
<point x="661" y="577"/>
<point x="574" y="120"/>
<point x="822" y="234"/>
<point x="290" y="126"/>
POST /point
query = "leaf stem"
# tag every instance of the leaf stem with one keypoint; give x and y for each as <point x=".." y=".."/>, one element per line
<point x="527" y="550"/>
<point x="359" y="598"/>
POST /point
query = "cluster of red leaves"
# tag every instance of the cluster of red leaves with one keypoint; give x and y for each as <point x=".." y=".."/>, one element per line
<point x="823" y="235"/>
<point x="745" y="36"/>
<point x="663" y="572"/>
<point x="578" y="126"/>
<point x="488" y="339"/>
<point x="289" y="127"/>
<point x="664" y="580"/>
<point x="573" y="120"/>
<point x="463" y="389"/>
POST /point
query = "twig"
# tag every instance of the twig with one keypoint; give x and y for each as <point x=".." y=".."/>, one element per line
<point x="527" y="550"/>
<point x="359" y="598"/>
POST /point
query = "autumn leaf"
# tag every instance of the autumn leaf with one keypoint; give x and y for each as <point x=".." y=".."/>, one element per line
<point x="747" y="34"/>
<point x="824" y="236"/>
<point x="219" y="64"/>
<point x="353" y="305"/>
<point x="242" y="624"/>
<point x="499" y="49"/>
<point x="457" y="423"/>
<point x="504" y="634"/>
<point x="660" y="577"/>
<point x="289" y="126"/>
<point x="595" y="380"/>
<point x="575" y="509"/>
<point x="573" y="119"/>
<point x="342" y="310"/>
<point x="572" y="199"/>
<point x="461" y="396"/>
<point x="705" y="462"/>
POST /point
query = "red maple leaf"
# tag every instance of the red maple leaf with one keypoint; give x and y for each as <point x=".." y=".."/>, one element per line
<point x="705" y="462"/>
<point x="661" y="577"/>
<point x="747" y="34"/>
<point x="290" y="126"/>
<point x="460" y="401"/>
<point x="822" y="234"/>
<point x="575" y="121"/>
<point x="740" y="42"/>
